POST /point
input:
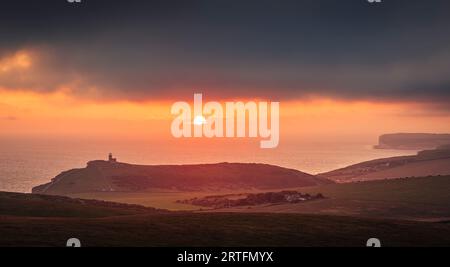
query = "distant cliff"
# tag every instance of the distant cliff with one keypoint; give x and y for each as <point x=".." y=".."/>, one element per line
<point x="416" y="141"/>
<point x="104" y="176"/>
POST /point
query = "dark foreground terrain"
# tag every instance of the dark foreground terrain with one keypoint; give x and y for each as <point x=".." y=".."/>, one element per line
<point x="108" y="224"/>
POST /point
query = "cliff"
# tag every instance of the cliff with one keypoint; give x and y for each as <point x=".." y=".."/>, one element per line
<point x="415" y="141"/>
<point x="103" y="176"/>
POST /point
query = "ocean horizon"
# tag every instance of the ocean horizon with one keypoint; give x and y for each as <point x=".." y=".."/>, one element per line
<point x="25" y="163"/>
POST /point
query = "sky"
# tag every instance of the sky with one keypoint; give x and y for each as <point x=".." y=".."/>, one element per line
<point x="344" y="68"/>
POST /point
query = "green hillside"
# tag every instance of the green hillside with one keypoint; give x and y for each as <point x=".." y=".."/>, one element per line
<point x="425" y="198"/>
<point x="32" y="205"/>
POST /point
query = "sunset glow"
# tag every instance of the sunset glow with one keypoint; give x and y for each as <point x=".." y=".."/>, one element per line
<point x="61" y="113"/>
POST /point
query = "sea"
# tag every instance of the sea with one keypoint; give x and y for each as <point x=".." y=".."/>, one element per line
<point x="28" y="162"/>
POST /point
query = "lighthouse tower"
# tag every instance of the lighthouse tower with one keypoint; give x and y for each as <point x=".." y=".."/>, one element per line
<point x="111" y="159"/>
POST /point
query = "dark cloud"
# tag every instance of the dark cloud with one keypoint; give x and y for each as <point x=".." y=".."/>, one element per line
<point x="399" y="49"/>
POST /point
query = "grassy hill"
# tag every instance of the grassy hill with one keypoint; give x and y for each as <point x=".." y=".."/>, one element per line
<point x="103" y="176"/>
<point x="425" y="198"/>
<point x="425" y="163"/>
<point x="41" y="220"/>
<point x="32" y="205"/>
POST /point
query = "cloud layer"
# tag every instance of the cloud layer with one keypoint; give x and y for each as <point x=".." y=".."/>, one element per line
<point x="139" y="50"/>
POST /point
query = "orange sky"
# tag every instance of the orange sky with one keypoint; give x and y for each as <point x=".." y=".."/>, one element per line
<point x="25" y="113"/>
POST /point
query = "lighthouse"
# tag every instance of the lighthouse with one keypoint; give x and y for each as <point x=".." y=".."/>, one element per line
<point x="111" y="159"/>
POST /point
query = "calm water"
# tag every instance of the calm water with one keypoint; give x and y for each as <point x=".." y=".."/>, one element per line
<point x="27" y="163"/>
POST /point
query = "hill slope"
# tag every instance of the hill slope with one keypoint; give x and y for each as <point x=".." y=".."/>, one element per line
<point x="103" y="176"/>
<point x="32" y="205"/>
<point x="36" y="222"/>
<point x="425" y="163"/>
<point x="421" y="199"/>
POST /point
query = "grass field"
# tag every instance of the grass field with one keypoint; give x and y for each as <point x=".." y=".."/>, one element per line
<point x="36" y="220"/>
<point x="425" y="190"/>
<point x="158" y="199"/>
<point x="424" y="198"/>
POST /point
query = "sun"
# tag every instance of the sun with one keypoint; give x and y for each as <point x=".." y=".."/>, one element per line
<point x="199" y="120"/>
